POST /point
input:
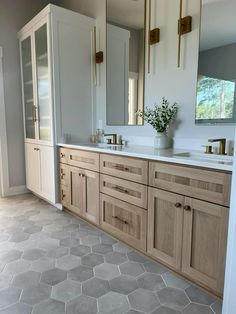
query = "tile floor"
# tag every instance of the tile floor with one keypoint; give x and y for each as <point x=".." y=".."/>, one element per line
<point x="51" y="262"/>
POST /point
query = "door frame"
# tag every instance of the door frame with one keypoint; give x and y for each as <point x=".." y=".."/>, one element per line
<point x="4" y="170"/>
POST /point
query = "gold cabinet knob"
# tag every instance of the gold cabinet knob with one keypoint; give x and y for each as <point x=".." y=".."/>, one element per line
<point x="178" y="205"/>
<point x="187" y="207"/>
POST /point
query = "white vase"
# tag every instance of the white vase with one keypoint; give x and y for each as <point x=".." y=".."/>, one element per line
<point x="161" y="140"/>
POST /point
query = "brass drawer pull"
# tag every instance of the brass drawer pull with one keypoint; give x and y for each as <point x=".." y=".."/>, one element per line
<point x="121" y="168"/>
<point x="37" y="149"/>
<point x="178" y="205"/>
<point x="120" y="189"/>
<point x="121" y="220"/>
<point x="62" y="174"/>
<point x="63" y="155"/>
<point x="187" y="207"/>
<point x="82" y="175"/>
<point x="62" y="195"/>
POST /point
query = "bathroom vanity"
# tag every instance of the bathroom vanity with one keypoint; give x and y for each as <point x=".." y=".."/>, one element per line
<point x="171" y="206"/>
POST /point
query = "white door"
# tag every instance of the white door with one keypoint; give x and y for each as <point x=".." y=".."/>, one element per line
<point x="32" y="164"/>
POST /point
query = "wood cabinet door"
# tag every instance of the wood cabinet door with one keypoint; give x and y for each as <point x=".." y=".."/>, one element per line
<point x="32" y="165"/>
<point x="90" y="195"/>
<point x="123" y="220"/>
<point x="165" y="224"/>
<point x="76" y="190"/>
<point x="204" y="243"/>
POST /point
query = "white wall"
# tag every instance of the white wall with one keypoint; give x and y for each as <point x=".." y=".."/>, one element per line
<point x="13" y="15"/>
<point x="165" y="78"/>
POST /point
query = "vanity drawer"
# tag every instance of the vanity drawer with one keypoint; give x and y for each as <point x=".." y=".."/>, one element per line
<point x="64" y="174"/>
<point x="63" y="155"/>
<point x="130" y="192"/>
<point x="126" y="221"/>
<point x="83" y="159"/>
<point x="211" y="186"/>
<point x="64" y="195"/>
<point x="132" y="169"/>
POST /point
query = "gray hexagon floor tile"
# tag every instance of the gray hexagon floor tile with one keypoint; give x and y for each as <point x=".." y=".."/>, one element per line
<point x="102" y="248"/>
<point x="50" y="307"/>
<point x="197" y="309"/>
<point x="17" y="267"/>
<point x="66" y="290"/>
<point x="143" y="300"/>
<point x="121" y="248"/>
<point x="106" y="239"/>
<point x="5" y="280"/>
<point x="19" y="237"/>
<point x="58" y="252"/>
<point x="18" y="308"/>
<point x="172" y="280"/>
<point x="68" y="262"/>
<point x="95" y="287"/>
<point x="10" y="255"/>
<point x="43" y="264"/>
<point x="132" y="269"/>
<point x="27" y="279"/>
<point x="82" y="305"/>
<point x="90" y="240"/>
<point x="36" y="294"/>
<point x="80" y="250"/>
<point x="152" y="282"/>
<point x="113" y="303"/>
<point x="33" y="254"/>
<point x="9" y="296"/>
<point x="166" y="310"/>
<point x="106" y="271"/>
<point x="123" y="284"/>
<point x="69" y="242"/>
<point x="155" y="268"/>
<point x="197" y="295"/>
<point x="173" y="298"/>
<point x="136" y="257"/>
<point x="92" y="259"/>
<point x="80" y="273"/>
<point x="116" y="258"/>
<point x="53" y="276"/>
<point x="217" y="307"/>
<point x="33" y="229"/>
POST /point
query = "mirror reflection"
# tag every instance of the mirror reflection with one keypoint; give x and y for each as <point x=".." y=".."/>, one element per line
<point x="216" y="98"/>
<point x="125" y="61"/>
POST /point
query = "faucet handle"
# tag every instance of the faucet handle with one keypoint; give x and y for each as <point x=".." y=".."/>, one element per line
<point x="208" y="149"/>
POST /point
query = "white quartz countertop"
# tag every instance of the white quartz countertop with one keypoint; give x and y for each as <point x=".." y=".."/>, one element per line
<point x="177" y="156"/>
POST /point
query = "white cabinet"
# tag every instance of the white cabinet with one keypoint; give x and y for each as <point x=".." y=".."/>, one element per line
<point x="40" y="168"/>
<point x="58" y="91"/>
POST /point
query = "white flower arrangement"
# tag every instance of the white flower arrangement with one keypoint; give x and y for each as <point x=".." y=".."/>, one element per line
<point x="160" y="116"/>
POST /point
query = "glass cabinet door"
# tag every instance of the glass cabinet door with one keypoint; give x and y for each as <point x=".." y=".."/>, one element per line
<point x="42" y="73"/>
<point x="29" y="108"/>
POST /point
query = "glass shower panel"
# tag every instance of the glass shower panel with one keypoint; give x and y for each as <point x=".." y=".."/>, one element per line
<point x="42" y="70"/>
<point x="29" y="109"/>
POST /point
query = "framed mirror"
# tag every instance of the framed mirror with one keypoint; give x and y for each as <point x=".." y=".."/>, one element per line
<point x="216" y="96"/>
<point x="125" y="61"/>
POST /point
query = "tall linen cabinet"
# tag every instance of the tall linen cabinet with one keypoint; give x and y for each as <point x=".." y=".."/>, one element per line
<point x="58" y="92"/>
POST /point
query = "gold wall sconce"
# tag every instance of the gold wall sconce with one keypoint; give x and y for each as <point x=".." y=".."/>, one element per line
<point x="153" y="36"/>
<point x="98" y="56"/>
<point x="184" y="27"/>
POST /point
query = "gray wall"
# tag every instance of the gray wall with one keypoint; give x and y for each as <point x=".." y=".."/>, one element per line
<point x="218" y="62"/>
<point x="13" y="15"/>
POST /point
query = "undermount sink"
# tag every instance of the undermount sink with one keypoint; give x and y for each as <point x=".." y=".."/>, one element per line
<point x="220" y="159"/>
<point x="103" y="145"/>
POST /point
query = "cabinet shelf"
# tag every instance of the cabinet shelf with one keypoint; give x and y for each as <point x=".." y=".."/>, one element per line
<point x="29" y="100"/>
<point x="28" y="82"/>
<point x="42" y="56"/>
<point x="27" y="64"/>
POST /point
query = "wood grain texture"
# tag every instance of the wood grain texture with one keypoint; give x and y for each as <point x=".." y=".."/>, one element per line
<point x="64" y="174"/>
<point x="165" y="222"/>
<point x="63" y="155"/>
<point x="130" y="192"/>
<point x="212" y="186"/>
<point x="126" y="221"/>
<point x="83" y="159"/>
<point x="132" y="169"/>
<point x="64" y="195"/>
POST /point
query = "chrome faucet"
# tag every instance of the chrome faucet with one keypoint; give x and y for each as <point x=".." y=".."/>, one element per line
<point x="222" y="145"/>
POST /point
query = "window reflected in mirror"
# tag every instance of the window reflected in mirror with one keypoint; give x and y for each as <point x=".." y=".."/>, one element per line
<point x="216" y="97"/>
<point x="125" y="61"/>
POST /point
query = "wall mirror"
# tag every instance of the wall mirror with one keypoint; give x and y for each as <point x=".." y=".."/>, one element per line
<point x="216" y="97"/>
<point x="125" y="61"/>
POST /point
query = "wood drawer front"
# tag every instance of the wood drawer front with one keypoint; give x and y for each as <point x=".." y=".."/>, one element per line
<point x="202" y="184"/>
<point x="130" y="192"/>
<point x="63" y="155"/>
<point x="126" y="221"/>
<point x="64" y="195"/>
<point x="64" y="174"/>
<point x="83" y="159"/>
<point x="132" y="169"/>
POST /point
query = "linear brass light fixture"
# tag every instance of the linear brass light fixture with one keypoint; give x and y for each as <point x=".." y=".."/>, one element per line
<point x="153" y="36"/>
<point x="98" y="56"/>
<point x="184" y="27"/>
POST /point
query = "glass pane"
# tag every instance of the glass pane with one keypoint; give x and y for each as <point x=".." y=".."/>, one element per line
<point x="44" y="111"/>
<point x="28" y="88"/>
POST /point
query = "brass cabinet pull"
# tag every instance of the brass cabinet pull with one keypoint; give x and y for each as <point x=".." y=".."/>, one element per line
<point x="187" y="207"/>
<point x="63" y="155"/>
<point x="62" y="174"/>
<point x="121" y="167"/>
<point x="178" y="205"/>
<point x="120" y="189"/>
<point x="82" y="175"/>
<point x="36" y="149"/>
<point x="62" y="195"/>
<point x="121" y="220"/>
<point x="95" y="50"/>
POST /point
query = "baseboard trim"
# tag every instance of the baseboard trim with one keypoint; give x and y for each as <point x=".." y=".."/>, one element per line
<point x="16" y="190"/>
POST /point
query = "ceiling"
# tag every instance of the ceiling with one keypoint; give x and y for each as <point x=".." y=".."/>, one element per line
<point x="218" y="23"/>
<point x="129" y="13"/>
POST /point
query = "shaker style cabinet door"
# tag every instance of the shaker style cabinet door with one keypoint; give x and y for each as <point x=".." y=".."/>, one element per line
<point x="32" y="165"/>
<point x="76" y="190"/>
<point x="204" y="242"/>
<point x="165" y="222"/>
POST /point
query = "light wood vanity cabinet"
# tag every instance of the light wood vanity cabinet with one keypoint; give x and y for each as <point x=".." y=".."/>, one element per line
<point x="176" y="214"/>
